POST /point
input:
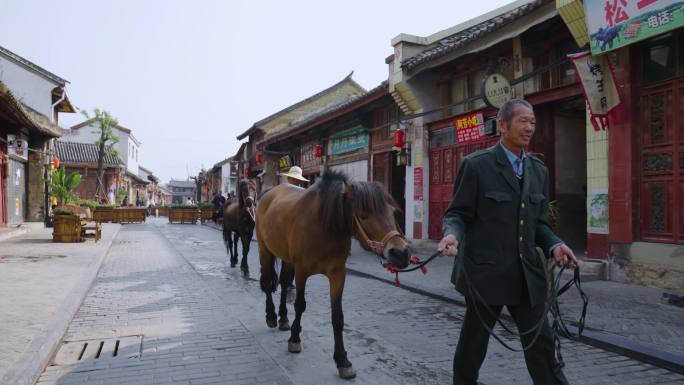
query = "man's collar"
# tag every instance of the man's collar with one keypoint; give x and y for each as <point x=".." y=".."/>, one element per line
<point x="511" y="155"/>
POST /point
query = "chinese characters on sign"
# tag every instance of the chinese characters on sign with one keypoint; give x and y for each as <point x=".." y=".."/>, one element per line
<point x="599" y="86"/>
<point x="617" y="23"/>
<point x="349" y="140"/>
<point x="496" y="90"/>
<point x="233" y="169"/>
<point x="418" y="184"/>
<point x="309" y="158"/>
<point x="284" y="162"/>
<point x="469" y="128"/>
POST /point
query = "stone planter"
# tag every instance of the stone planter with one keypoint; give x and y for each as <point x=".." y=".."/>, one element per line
<point x="67" y="228"/>
<point x="183" y="215"/>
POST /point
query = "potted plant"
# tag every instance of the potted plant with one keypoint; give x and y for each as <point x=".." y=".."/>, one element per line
<point x="206" y="211"/>
<point x="183" y="213"/>
<point x="67" y="225"/>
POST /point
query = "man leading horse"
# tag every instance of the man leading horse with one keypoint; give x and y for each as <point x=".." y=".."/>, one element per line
<point x="497" y="217"/>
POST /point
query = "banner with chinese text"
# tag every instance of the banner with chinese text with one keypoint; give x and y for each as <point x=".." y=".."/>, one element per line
<point x="599" y="86"/>
<point x="309" y="158"/>
<point x="469" y="128"/>
<point x="617" y="23"/>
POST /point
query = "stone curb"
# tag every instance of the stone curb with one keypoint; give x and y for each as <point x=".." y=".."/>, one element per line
<point x="30" y="365"/>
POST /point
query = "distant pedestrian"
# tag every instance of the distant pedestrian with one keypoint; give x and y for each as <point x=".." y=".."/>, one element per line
<point x="188" y="201"/>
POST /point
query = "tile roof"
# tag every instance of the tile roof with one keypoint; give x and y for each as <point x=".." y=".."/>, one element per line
<point x="330" y="109"/>
<point x="33" y="66"/>
<point x="72" y="152"/>
<point x="25" y="115"/>
<point x="468" y="35"/>
<point x="347" y="79"/>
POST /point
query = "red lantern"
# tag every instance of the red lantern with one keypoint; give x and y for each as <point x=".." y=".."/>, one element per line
<point x="258" y="158"/>
<point x="318" y="151"/>
<point x="55" y="162"/>
<point x="399" y="138"/>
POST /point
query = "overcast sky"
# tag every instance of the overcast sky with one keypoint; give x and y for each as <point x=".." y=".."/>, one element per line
<point x="189" y="76"/>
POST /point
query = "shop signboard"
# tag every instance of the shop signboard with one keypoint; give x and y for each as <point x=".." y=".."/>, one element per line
<point x="234" y="169"/>
<point x="309" y="158"/>
<point x="469" y="128"/>
<point x="417" y="183"/>
<point x="496" y="90"/>
<point x="616" y="23"/>
<point x="349" y="140"/>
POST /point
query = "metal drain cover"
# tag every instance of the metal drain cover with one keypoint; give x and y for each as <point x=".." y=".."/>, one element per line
<point x="72" y="352"/>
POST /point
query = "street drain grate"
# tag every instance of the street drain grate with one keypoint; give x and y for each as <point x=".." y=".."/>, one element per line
<point x="72" y="352"/>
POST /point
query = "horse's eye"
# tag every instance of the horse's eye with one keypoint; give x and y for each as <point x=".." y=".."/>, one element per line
<point x="364" y="216"/>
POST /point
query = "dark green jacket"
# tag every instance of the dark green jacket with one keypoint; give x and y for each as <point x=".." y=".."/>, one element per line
<point x="498" y="225"/>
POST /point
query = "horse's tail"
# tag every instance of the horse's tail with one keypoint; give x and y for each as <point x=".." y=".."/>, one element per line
<point x="269" y="282"/>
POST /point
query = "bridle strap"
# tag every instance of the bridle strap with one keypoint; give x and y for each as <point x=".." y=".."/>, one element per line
<point x="375" y="246"/>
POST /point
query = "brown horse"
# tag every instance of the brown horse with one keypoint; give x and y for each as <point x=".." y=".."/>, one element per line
<point x="238" y="222"/>
<point x="311" y="231"/>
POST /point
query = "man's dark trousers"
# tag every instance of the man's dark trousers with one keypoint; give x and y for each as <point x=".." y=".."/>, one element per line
<point x="472" y="344"/>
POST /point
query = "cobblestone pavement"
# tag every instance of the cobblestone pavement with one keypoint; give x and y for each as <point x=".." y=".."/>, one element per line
<point x="203" y="323"/>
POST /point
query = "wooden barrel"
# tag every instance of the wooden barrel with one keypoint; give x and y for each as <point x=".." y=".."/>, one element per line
<point x="67" y="228"/>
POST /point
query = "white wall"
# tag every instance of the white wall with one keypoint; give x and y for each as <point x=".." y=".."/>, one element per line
<point x="356" y="171"/>
<point x="127" y="147"/>
<point x="27" y="86"/>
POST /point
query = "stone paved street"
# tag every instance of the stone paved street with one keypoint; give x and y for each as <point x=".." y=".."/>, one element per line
<point x="201" y="322"/>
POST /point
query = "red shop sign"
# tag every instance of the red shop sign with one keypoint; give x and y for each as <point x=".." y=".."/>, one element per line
<point x="469" y="128"/>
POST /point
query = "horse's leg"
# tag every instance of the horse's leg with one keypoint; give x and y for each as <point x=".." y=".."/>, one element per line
<point x="234" y="250"/>
<point x="269" y="282"/>
<point x="294" y="344"/>
<point x="228" y="241"/>
<point x="246" y="240"/>
<point x="344" y="367"/>
<point x="286" y="272"/>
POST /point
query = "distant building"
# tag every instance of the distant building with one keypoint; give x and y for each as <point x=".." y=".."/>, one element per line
<point x="82" y="158"/>
<point x="181" y="190"/>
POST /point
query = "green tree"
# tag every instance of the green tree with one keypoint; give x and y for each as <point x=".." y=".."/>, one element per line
<point x="104" y="124"/>
<point x="62" y="186"/>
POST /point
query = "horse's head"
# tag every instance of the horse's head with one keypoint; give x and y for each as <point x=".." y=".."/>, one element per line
<point x="247" y="194"/>
<point x="363" y="210"/>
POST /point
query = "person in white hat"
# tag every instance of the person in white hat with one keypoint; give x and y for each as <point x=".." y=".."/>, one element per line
<point x="295" y="177"/>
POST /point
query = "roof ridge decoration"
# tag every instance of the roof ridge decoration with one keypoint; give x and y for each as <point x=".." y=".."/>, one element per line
<point x="461" y="38"/>
<point x="285" y="110"/>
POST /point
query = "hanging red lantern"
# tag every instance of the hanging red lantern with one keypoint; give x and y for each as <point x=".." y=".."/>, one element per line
<point x="259" y="158"/>
<point x="399" y="136"/>
<point x="55" y="162"/>
<point x="318" y="151"/>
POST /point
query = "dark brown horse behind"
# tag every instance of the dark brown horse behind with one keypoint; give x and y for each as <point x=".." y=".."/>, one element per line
<point x="312" y="230"/>
<point x="238" y="222"/>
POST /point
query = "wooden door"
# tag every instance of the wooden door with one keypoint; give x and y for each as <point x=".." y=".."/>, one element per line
<point x="661" y="162"/>
<point x="381" y="169"/>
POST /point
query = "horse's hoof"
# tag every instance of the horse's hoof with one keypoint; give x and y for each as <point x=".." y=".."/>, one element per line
<point x="284" y="325"/>
<point x="294" y="347"/>
<point x="232" y="265"/>
<point x="347" y="373"/>
<point x="271" y="323"/>
<point x="245" y="272"/>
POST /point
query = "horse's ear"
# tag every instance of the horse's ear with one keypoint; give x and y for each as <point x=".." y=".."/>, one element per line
<point x="348" y="190"/>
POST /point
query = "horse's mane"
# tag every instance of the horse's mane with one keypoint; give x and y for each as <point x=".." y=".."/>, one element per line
<point x="244" y="183"/>
<point x="337" y="210"/>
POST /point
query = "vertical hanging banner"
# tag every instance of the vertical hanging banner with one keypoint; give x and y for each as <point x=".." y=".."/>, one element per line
<point x="599" y="86"/>
<point x="617" y="23"/>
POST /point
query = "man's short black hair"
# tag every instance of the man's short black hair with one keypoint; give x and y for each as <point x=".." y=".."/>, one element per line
<point x="506" y="111"/>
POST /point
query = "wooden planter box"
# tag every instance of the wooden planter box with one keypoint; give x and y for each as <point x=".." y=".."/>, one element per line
<point x="104" y="214"/>
<point x="206" y="213"/>
<point x="163" y="211"/>
<point x="67" y="228"/>
<point x="131" y="214"/>
<point x="178" y="215"/>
